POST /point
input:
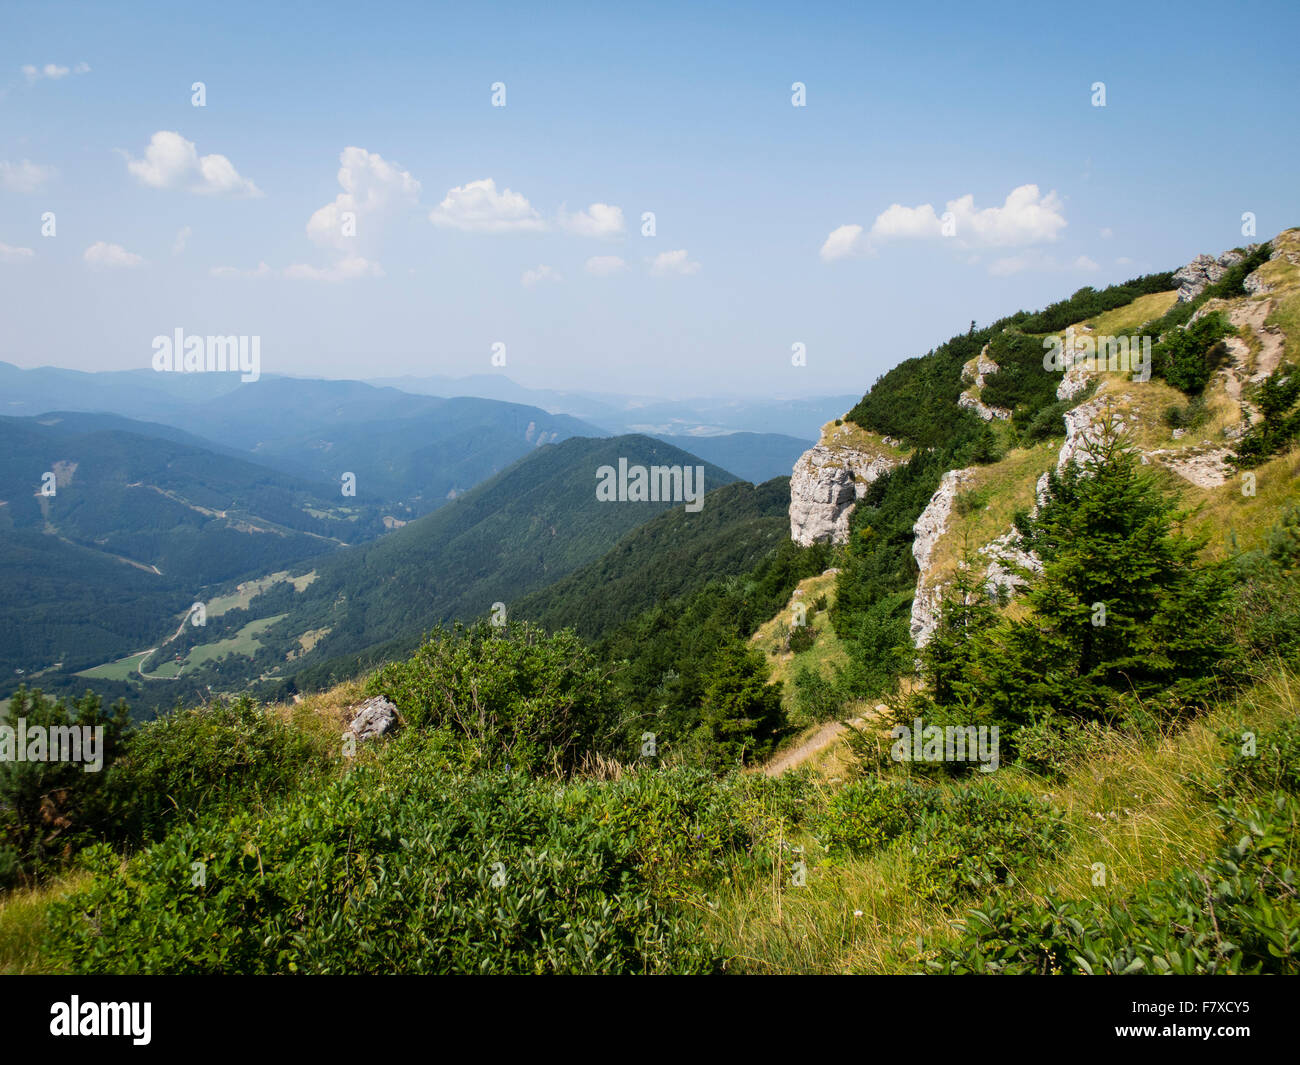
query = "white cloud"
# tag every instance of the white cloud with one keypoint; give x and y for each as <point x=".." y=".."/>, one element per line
<point x="10" y="254"/>
<point x="182" y="237"/>
<point x="261" y="271"/>
<point x="599" y="220"/>
<point x="101" y="255"/>
<point x="348" y="269"/>
<point x="478" y="208"/>
<point x="344" y="270"/>
<point x="673" y="262"/>
<point x="1124" y="260"/>
<point x="897" y="222"/>
<point x="1084" y="263"/>
<point x="1107" y="232"/>
<point x="604" y="265"/>
<point x="170" y="160"/>
<point x="1026" y="217"/>
<point x="25" y="176"/>
<point x="841" y="243"/>
<point x="542" y="273"/>
<point x="372" y="188"/>
<point x="51" y="71"/>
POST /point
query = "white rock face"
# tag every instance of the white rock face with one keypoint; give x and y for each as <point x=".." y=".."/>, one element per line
<point x="1004" y="554"/>
<point x="974" y="372"/>
<point x="824" y="485"/>
<point x="1254" y="284"/>
<point x="1083" y="426"/>
<point x="929" y="527"/>
<point x="1207" y="468"/>
<point x="1205" y="270"/>
<point x="969" y="401"/>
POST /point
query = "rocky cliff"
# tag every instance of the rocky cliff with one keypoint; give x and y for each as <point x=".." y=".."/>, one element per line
<point x="830" y="477"/>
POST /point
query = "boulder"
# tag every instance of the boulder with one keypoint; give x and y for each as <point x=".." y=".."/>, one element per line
<point x="374" y="718"/>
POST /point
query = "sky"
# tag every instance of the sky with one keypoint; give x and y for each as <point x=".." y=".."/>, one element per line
<point x="351" y="192"/>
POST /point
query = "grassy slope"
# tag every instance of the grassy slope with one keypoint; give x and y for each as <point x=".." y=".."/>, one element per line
<point x="1132" y="808"/>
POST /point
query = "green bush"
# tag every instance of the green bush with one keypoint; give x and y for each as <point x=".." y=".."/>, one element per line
<point x="960" y="840"/>
<point x="227" y="755"/>
<point x="802" y="637"/>
<point x="1239" y="914"/>
<point x="816" y="699"/>
<point x="406" y="865"/>
<point x="1266" y="601"/>
<point x="1262" y="761"/>
<point x="514" y="695"/>
<point x="1054" y="745"/>
<point x="688" y="829"/>
<point x="982" y="837"/>
<point x="50" y="809"/>
<point x="1280" y="425"/>
<point x="865" y="815"/>
<point x="1187" y="357"/>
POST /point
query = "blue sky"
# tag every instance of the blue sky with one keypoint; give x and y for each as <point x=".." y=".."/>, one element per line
<point x="683" y="110"/>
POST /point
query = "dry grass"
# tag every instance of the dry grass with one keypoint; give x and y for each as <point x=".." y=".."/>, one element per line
<point x="825" y="653"/>
<point x="22" y="923"/>
<point x="1123" y="321"/>
<point x="1233" y="522"/>
<point x="850" y="435"/>
<point x="1132" y="806"/>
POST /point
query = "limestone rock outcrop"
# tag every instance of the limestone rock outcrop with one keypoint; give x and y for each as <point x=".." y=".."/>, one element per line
<point x="1205" y="270"/>
<point x="826" y="482"/>
<point x="927" y="531"/>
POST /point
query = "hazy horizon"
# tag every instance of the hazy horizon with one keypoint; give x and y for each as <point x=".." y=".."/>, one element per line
<point x="356" y="199"/>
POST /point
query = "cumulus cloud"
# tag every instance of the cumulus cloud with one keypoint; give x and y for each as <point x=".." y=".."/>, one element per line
<point x="24" y="176"/>
<point x="604" y="265"/>
<point x="1026" y="217"/>
<point x="540" y="274"/>
<point x="102" y="255"/>
<point x="10" y="254"/>
<point x="347" y="269"/>
<point x="260" y="271"/>
<point x="897" y="222"/>
<point x="171" y="161"/>
<point x="373" y="188"/>
<point x="673" y="262"/>
<point x="479" y="208"/>
<point x="1085" y="263"/>
<point x="842" y="242"/>
<point x="599" y="220"/>
<point x="182" y="238"/>
<point x="51" y="71"/>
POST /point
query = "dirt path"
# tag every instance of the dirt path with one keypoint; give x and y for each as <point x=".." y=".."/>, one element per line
<point x="819" y="741"/>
